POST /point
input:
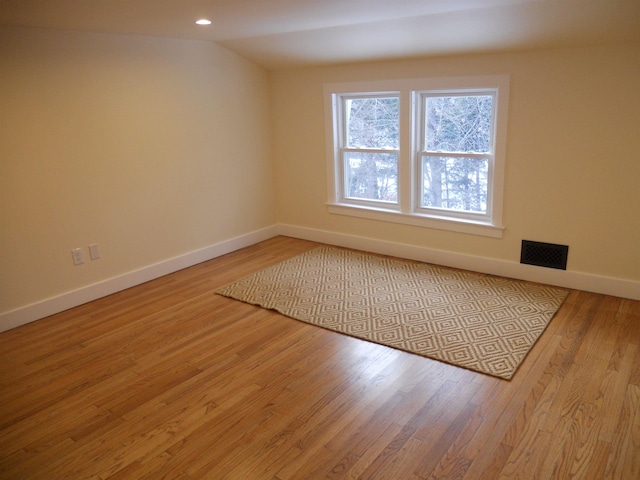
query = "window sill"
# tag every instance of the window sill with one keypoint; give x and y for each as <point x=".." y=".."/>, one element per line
<point x="418" y="220"/>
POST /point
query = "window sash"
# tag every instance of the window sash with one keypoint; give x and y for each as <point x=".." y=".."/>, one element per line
<point x="385" y="187"/>
<point x="421" y="114"/>
<point x="344" y="112"/>
<point x="447" y="191"/>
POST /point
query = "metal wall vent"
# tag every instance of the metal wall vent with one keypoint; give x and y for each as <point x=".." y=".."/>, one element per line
<point x="544" y="254"/>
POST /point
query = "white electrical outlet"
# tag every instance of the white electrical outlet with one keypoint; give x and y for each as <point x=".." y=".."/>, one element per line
<point x="78" y="256"/>
<point x="94" y="251"/>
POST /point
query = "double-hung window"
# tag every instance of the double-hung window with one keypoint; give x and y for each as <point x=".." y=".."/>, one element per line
<point x="421" y="152"/>
<point x="370" y="147"/>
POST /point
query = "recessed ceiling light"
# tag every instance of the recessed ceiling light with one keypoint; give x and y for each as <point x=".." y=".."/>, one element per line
<point x="203" y="21"/>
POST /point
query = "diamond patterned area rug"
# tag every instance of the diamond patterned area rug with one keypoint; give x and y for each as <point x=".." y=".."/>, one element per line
<point x="480" y="322"/>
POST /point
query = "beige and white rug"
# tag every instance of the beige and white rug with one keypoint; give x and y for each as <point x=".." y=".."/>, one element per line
<point x="480" y="322"/>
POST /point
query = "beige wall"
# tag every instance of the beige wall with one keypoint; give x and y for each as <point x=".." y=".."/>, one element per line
<point x="149" y="147"/>
<point x="573" y="167"/>
<point x="154" y="148"/>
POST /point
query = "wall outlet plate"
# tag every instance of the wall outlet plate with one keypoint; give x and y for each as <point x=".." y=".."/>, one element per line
<point x="94" y="251"/>
<point x="78" y="256"/>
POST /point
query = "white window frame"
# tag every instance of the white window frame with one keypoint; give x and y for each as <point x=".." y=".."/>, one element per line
<point x="408" y="210"/>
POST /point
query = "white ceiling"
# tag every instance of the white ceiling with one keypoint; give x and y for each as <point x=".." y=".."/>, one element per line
<point x="285" y="33"/>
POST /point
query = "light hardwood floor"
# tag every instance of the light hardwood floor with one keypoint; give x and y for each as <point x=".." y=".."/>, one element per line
<point x="169" y="380"/>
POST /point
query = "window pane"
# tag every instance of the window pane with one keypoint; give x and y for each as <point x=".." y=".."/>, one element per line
<point x="372" y="122"/>
<point x="459" y="123"/>
<point x="455" y="183"/>
<point x="371" y="176"/>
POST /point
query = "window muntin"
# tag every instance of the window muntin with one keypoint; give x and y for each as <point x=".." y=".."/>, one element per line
<point x="405" y="190"/>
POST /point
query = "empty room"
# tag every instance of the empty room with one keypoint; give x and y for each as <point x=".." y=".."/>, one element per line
<point x="308" y="239"/>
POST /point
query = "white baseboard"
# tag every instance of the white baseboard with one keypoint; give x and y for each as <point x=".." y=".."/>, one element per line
<point x="562" y="278"/>
<point x="59" y="303"/>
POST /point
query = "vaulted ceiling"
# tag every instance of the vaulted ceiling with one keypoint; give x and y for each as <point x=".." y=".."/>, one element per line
<point x="285" y="33"/>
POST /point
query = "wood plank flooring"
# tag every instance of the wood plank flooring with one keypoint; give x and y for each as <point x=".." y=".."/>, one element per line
<point x="170" y="381"/>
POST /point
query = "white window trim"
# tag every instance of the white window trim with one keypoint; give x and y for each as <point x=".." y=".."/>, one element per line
<point x="405" y="212"/>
